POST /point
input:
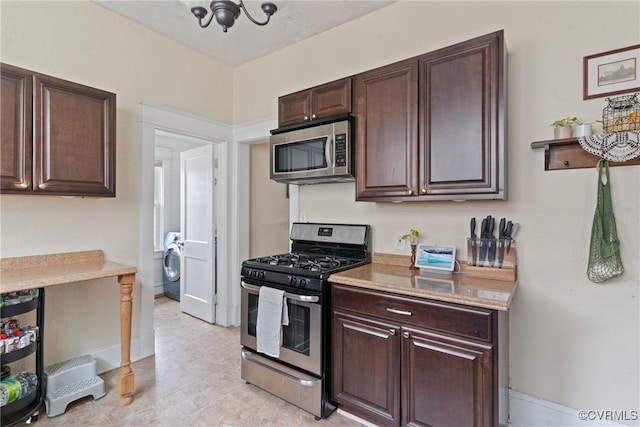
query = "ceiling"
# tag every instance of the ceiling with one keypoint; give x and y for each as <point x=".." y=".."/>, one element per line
<point x="294" y="21"/>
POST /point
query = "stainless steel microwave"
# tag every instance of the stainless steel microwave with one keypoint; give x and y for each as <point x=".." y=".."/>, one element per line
<point x="315" y="154"/>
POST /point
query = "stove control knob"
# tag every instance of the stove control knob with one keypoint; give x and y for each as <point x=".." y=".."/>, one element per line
<point x="261" y="274"/>
<point x="302" y="283"/>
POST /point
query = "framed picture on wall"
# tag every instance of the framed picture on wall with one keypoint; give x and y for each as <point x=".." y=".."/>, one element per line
<point x="611" y="73"/>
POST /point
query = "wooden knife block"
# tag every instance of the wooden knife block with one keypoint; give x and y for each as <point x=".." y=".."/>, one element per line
<point x="484" y="269"/>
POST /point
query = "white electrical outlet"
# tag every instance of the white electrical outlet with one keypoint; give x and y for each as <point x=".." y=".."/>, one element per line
<point x="303" y="217"/>
<point x="399" y="242"/>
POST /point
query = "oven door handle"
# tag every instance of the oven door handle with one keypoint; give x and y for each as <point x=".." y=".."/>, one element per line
<point x="295" y="297"/>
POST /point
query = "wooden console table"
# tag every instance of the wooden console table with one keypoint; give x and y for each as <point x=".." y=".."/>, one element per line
<point x="42" y="271"/>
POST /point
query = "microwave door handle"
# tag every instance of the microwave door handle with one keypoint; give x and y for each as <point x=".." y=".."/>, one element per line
<point x="328" y="151"/>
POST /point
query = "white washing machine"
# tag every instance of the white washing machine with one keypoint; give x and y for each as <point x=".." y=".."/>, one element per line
<point x="171" y="265"/>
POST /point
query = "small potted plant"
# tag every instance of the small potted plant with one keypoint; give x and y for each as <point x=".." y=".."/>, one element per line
<point x="563" y="128"/>
<point x="413" y="236"/>
<point x="583" y="129"/>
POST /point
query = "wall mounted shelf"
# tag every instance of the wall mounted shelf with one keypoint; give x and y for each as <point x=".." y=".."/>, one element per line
<point x="568" y="154"/>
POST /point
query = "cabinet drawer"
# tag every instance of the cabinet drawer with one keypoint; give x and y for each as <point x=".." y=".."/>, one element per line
<point x="468" y="322"/>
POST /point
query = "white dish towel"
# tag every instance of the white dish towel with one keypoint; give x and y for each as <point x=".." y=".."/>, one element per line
<point x="272" y="314"/>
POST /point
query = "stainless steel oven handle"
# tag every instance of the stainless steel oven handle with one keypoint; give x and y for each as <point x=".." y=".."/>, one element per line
<point x="295" y="297"/>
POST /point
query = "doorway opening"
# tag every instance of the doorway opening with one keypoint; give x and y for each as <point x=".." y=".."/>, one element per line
<point x="184" y="222"/>
<point x="218" y="135"/>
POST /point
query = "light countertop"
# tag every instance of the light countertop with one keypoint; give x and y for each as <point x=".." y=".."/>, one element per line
<point x="391" y="273"/>
<point x="39" y="271"/>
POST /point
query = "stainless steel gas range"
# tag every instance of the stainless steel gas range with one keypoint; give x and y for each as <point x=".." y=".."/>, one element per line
<point x="300" y="372"/>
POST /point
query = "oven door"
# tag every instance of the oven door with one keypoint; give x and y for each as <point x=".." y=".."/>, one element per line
<point x="301" y="339"/>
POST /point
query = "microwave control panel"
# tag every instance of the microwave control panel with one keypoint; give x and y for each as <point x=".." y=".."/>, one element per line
<point x="341" y="150"/>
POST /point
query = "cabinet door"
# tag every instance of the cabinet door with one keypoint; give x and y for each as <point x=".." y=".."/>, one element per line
<point x="386" y="131"/>
<point x="318" y="102"/>
<point x="16" y="135"/>
<point x="462" y="149"/>
<point x="74" y="127"/>
<point x="331" y="99"/>
<point x="366" y="363"/>
<point x="446" y="381"/>
<point x="294" y="108"/>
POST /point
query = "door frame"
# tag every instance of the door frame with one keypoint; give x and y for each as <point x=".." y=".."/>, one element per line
<point x="233" y="219"/>
<point x="154" y="118"/>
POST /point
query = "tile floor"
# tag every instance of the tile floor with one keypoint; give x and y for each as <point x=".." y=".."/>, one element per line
<point x="193" y="380"/>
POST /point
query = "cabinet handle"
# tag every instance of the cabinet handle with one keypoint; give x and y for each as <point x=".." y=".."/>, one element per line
<point x="23" y="185"/>
<point x="42" y="186"/>
<point x="411" y="192"/>
<point x="313" y="116"/>
<point x="405" y="334"/>
<point x="423" y="191"/>
<point x="392" y="331"/>
<point x="306" y="117"/>
<point x="396" y="311"/>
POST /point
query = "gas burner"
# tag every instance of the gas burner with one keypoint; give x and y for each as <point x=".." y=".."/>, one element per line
<point x="307" y="262"/>
<point x="283" y="259"/>
<point x="273" y="260"/>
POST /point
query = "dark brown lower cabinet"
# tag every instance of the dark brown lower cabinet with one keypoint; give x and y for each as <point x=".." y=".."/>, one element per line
<point x="445" y="381"/>
<point x="396" y="362"/>
<point x="366" y="364"/>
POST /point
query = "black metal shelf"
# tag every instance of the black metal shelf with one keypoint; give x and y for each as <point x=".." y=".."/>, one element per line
<point x="18" y="354"/>
<point x="23" y="307"/>
<point x="27" y="408"/>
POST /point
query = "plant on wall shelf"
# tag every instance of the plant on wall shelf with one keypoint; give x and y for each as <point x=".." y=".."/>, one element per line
<point x="563" y="128"/>
<point x="567" y="121"/>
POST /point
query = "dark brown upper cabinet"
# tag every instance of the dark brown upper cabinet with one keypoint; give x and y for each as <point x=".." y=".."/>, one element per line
<point x="432" y="127"/>
<point x="387" y="131"/>
<point x="16" y="130"/>
<point x="319" y="102"/>
<point x="58" y="137"/>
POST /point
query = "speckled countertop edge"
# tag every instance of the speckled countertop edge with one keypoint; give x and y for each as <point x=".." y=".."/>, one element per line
<point x="28" y="272"/>
<point x="390" y="273"/>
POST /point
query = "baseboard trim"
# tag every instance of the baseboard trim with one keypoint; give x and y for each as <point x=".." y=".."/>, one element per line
<point x="526" y="410"/>
<point x="108" y="359"/>
<point x="530" y="411"/>
<point x="354" y="418"/>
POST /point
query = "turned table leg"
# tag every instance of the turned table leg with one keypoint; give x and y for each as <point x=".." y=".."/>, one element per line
<point x="125" y="377"/>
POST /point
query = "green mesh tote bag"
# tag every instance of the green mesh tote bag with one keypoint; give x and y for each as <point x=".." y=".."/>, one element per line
<point x="604" y="251"/>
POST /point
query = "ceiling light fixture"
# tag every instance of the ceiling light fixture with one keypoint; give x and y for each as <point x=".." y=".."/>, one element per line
<point x="226" y="12"/>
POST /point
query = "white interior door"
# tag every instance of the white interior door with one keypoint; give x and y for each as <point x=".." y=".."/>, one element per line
<point x="197" y="228"/>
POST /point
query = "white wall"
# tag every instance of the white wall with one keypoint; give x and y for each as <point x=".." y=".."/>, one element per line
<point x="571" y="341"/>
<point x="82" y="42"/>
<point x="269" y="207"/>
